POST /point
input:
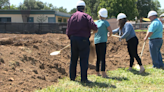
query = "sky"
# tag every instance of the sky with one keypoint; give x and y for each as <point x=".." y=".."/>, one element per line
<point x="68" y="4"/>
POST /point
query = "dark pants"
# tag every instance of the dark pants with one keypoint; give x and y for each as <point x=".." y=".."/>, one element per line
<point x="79" y="47"/>
<point x="132" y="49"/>
<point x="101" y="52"/>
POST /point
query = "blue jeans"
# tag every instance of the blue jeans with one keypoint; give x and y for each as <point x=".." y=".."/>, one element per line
<point x="154" y="47"/>
<point x="80" y="47"/>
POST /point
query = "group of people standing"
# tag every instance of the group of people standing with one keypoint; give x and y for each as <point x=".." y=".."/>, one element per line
<point x="79" y="29"/>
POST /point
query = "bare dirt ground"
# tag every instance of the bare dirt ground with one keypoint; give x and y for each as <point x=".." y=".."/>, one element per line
<point x="25" y="63"/>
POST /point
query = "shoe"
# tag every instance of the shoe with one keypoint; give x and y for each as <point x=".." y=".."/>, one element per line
<point x="86" y="81"/>
<point x="130" y="69"/>
<point x="98" y="74"/>
<point x="104" y="75"/>
<point x="142" y="70"/>
<point x="162" y="68"/>
<point x="72" y="79"/>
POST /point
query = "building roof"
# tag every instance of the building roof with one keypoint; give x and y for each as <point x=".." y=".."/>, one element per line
<point x="62" y="14"/>
<point x="35" y="12"/>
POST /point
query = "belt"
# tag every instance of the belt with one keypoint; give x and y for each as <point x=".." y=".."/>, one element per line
<point x="155" y="38"/>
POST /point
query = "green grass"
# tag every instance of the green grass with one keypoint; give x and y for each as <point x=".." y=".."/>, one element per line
<point x="140" y="30"/>
<point x="120" y="80"/>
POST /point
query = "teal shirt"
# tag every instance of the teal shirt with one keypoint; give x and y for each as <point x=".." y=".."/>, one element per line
<point x="157" y="28"/>
<point x="127" y="31"/>
<point x="101" y="35"/>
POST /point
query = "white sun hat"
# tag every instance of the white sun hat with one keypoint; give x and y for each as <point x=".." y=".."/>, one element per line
<point x="121" y="16"/>
<point x="151" y="13"/>
<point x="80" y="3"/>
<point x="103" y="12"/>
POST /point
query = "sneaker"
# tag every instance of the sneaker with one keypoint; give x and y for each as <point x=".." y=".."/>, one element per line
<point x="98" y="74"/>
<point x="142" y="70"/>
<point x="130" y="69"/>
<point x="104" y="75"/>
<point x="86" y="81"/>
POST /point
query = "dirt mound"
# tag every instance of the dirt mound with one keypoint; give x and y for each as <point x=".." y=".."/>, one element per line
<point x="25" y="63"/>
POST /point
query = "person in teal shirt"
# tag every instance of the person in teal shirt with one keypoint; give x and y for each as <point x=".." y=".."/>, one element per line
<point x="127" y="32"/>
<point x="100" y="40"/>
<point x="154" y="34"/>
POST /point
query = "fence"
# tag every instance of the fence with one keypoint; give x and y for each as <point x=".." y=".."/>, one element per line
<point x="140" y="26"/>
<point x="42" y="28"/>
<point x="31" y="28"/>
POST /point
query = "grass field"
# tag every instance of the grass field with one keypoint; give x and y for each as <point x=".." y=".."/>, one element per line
<point x="120" y="80"/>
<point x="141" y="30"/>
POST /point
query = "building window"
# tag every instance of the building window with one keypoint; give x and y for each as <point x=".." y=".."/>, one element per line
<point x="5" y="19"/>
<point x="64" y="20"/>
<point x="51" y="20"/>
<point x="30" y="19"/>
<point x="59" y="19"/>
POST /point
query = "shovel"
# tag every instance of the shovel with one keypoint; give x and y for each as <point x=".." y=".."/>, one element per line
<point x="137" y="66"/>
<point x="116" y="35"/>
<point x="58" y="52"/>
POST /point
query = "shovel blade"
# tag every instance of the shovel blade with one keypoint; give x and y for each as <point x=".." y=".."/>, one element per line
<point x="55" y="53"/>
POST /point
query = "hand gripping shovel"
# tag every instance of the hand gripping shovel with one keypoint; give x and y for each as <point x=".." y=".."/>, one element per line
<point x="58" y="52"/>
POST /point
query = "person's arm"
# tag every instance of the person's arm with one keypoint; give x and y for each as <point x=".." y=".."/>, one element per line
<point x="127" y="32"/>
<point x="67" y="30"/>
<point x="109" y="31"/>
<point x="152" y="27"/>
<point x="148" y="35"/>
<point x="91" y="23"/>
<point x="115" y="31"/>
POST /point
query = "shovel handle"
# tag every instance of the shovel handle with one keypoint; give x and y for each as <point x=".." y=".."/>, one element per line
<point x="65" y="47"/>
<point x="116" y="35"/>
<point x="142" y="49"/>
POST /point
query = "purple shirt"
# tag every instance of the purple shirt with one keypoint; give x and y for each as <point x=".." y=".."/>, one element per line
<point x="80" y="24"/>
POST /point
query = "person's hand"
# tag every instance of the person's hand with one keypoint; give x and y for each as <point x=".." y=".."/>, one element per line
<point x="148" y="26"/>
<point x="145" y="38"/>
<point x="109" y="34"/>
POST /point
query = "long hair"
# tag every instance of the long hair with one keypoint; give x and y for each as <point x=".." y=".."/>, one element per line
<point x="121" y="23"/>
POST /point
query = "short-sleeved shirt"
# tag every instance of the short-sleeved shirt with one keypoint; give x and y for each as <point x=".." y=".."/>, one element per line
<point x="80" y="24"/>
<point x="157" y="28"/>
<point x="101" y="35"/>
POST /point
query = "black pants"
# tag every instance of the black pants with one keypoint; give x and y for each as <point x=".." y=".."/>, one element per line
<point x="132" y="49"/>
<point x="79" y="48"/>
<point x="101" y="52"/>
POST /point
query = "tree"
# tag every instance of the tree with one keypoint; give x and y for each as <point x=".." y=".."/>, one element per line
<point x="92" y="7"/>
<point x="49" y="6"/>
<point x="160" y="11"/>
<point x="4" y="3"/>
<point x="144" y="6"/>
<point x="115" y="7"/>
<point x="61" y="9"/>
<point x="12" y="7"/>
<point x="73" y="11"/>
<point x="31" y="4"/>
<point x="41" y="18"/>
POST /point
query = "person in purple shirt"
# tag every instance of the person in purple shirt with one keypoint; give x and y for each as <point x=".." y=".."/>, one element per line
<point x="79" y="28"/>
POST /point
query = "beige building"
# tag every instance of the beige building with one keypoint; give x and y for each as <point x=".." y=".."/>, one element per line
<point x="34" y="16"/>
